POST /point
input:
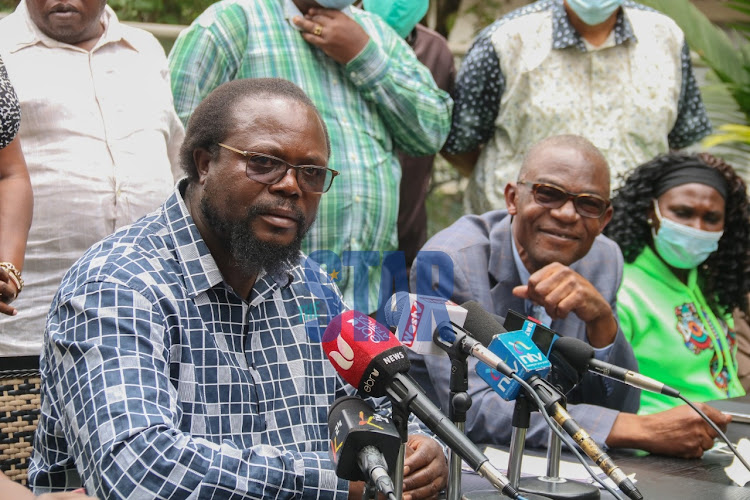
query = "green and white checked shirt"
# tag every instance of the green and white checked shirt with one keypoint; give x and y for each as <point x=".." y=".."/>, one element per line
<point x="382" y="99"/>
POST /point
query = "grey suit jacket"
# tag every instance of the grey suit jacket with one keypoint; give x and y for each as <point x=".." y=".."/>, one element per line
<point x="484" y="270"/>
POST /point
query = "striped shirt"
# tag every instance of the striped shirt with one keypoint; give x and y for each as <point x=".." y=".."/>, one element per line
<point x="160" y="382"/>
<point x="382" y="99"/>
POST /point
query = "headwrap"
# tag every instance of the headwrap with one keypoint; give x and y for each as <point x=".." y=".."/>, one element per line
<point x="691" y="170"/>
<point x="401" y="15"/>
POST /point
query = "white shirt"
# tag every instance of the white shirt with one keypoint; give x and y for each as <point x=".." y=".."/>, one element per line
<point x="101" y="140"/>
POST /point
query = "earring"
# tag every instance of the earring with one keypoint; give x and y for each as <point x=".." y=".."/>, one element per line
<point x="649" y="221"/>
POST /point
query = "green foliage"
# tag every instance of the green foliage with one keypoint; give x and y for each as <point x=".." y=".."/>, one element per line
<point x="149" y="11"/>
<point x="159" y="11"/>
<point x="727" y="97"/>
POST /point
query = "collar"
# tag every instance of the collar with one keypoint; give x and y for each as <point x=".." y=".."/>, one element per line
<point x="30" y="34"/>
<point x="291" y="11"/>
<point x="199" y="268"/>
<point x="564" y="35"/>
<point x="523" y="273"/>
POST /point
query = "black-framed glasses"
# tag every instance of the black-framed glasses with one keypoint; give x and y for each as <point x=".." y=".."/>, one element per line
<point x="549" y="196"/>
<point x="268" y="169"/>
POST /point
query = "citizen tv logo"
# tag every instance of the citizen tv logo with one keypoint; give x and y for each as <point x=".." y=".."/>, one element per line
<point x="410" y="331"/>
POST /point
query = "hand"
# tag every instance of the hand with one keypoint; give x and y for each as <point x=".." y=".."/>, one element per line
<point x="79" y="494"/>
<point x="425" y="468"/>
<point x="678" y="432"/>
<point x="561" y="291"/>
<point x="8" y="293"/>
<point x="333" y="32"/>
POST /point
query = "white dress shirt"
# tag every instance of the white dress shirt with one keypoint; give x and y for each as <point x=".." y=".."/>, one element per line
<point x="101" y="140"/>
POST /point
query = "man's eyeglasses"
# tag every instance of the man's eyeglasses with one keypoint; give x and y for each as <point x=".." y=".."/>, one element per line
<point x="549" y="196"/>
<point x="268" y="169"/>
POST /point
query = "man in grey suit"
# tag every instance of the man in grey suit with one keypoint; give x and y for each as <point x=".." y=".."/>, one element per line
<point x="545" y="256"/>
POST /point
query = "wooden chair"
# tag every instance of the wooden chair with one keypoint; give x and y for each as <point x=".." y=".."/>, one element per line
<point x="20" y="402"/>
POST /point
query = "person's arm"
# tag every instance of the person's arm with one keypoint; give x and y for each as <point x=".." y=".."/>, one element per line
<point x="692" y="123"/>
<point x="109" y="375"/>
<point x="479" y="87"/>
<point x="205" y="56"/>
<point x="678" y="432"/>
<point x="16" y="205"/>
<point x="415" y="110"/>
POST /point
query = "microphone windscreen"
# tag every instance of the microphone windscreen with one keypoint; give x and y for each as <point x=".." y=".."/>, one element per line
<point x="576" y="352"/>
<point x="364" y="352"/>
<point x="480" y="324"/>
<point x="394" y="308"/>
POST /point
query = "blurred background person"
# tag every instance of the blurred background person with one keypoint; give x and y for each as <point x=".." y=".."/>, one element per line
<point x="618" y="73"/>
<point x="373" y="93"/>
<point x="432" y="50"/>
<point x="16" y="198"/>
<point x="682" y="224"/>
<point x="99" y="134"/>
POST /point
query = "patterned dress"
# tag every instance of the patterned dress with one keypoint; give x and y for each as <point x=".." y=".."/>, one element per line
<point x="10" y="112"/>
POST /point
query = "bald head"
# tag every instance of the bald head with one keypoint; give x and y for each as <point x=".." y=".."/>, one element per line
<point x="589" y="153"/>
<point x="545" y="231"/>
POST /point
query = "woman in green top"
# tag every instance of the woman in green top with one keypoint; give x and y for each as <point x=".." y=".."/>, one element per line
<point x="682" y="224"/>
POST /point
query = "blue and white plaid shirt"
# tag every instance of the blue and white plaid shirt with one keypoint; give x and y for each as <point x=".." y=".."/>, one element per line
<point x="159" y="381"/>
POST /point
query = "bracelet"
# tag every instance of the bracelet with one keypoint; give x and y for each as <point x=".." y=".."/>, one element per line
<point x="15" y="275"/>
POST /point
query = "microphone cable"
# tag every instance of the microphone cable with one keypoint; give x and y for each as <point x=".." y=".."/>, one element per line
<point x="564" y="437"/>
<point x="716" y="428"/>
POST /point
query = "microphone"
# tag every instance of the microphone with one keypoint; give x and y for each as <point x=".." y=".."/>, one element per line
<point x="415" y="317"/>
<point x="580" y="355"/>
<point x="368" y="356"/>
<point x="526" y="355"/>
<point x="364" y="445"/>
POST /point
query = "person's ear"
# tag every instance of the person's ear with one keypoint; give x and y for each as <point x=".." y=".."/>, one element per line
<point x="202" y="159"/>
<point x="511" y="198"/>
<point x="604" y="219"/>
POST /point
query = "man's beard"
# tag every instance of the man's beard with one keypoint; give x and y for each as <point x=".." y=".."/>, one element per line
<point x="251" y="254"/>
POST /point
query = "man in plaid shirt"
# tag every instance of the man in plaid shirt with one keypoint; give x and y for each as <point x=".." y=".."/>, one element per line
<point x="373" y="93"/>
<point x="182" y="356"/>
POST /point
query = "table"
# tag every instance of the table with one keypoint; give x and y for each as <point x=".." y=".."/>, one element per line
<point x="665" y="478"/>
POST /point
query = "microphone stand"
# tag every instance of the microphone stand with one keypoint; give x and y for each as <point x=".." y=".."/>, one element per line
<point x="551" y="485"/>
<point x="370" y="492"/>
<point x="400" y="415"/>
<point x="459" y="401"/>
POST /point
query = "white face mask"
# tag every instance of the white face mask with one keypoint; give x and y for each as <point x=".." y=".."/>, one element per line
<point x="681" y="246"/>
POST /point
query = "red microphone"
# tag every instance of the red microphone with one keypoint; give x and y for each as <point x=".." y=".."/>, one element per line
<point x="364" y="352"/>
<point x="368" y="356"/>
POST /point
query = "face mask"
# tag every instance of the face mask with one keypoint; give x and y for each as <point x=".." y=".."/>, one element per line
<point x="681" y="246"/>
<point x="593" y="12"/>
<point x="334" y="4"/>
<point x="401" y="15"/>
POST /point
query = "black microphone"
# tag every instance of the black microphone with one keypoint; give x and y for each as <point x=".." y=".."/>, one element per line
<point x="368" y="356"/>
<point x="581" y="356"/>
<point x="364" y="445"/>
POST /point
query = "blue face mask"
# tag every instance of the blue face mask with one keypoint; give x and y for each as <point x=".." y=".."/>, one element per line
<point x="593" y="12"/>
<point x="334" y="4"/>
<point x="681" y="246"/>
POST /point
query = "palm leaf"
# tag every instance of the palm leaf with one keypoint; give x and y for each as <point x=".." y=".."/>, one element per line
<point x="710" y="42"/>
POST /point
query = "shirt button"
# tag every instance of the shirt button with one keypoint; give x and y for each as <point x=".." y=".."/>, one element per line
<point x="353" y="74"/>
<point x="357" y="198"/>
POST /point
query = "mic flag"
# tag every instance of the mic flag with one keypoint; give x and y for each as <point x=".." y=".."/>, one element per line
<point x="367" y="356"/>
<point x="518" y="351"/>
<point x="352" y="427"/>
<point x="415" y="317"/>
